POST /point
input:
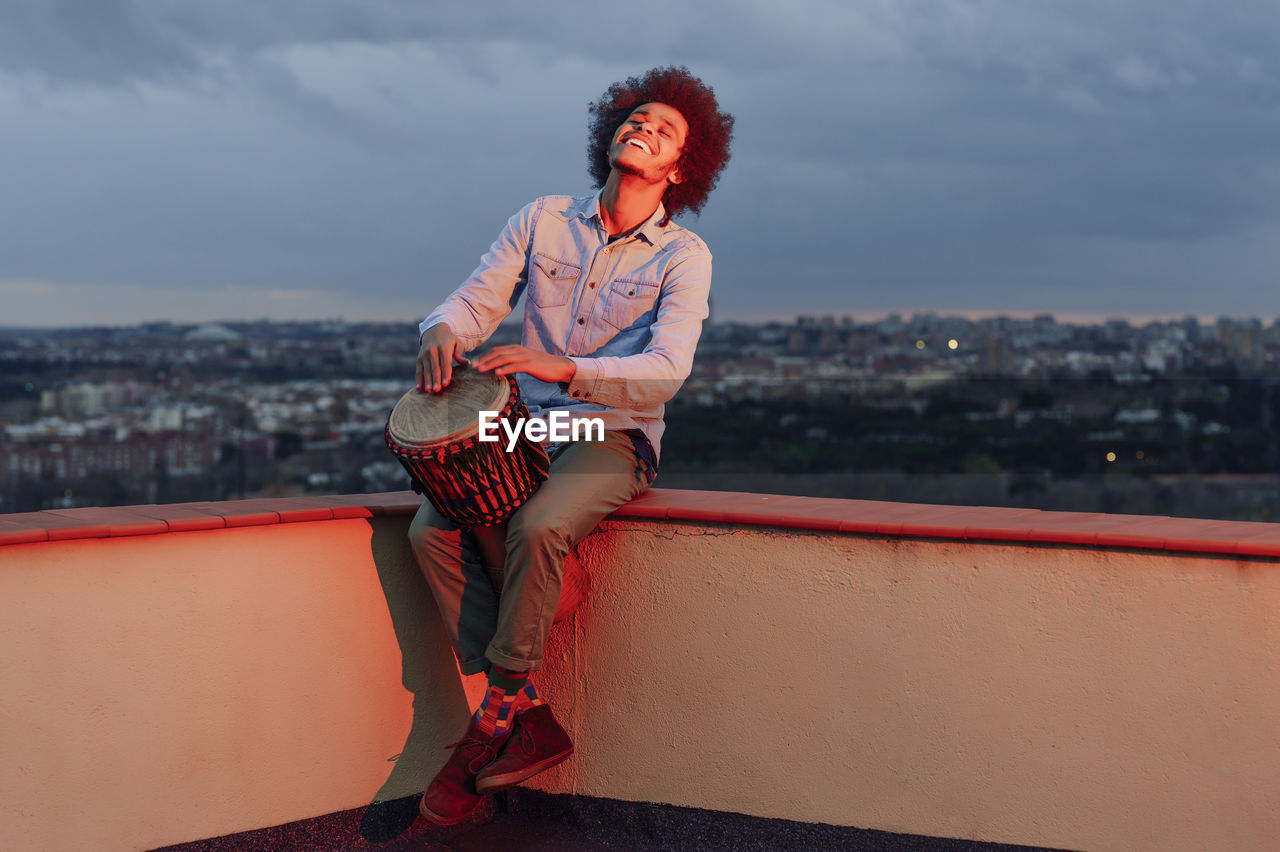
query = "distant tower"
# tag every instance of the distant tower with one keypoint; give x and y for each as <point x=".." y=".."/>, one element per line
<point x="997" y="356"/>
<point x="1191" y="326"/>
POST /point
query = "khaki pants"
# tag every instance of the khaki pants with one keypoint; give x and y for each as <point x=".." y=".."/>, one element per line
<point x="498" y="610"/>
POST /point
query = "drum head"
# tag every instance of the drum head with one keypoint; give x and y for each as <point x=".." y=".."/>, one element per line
<point x="427" y="420"/>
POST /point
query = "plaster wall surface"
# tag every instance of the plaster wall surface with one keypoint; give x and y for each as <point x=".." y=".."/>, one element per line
<point x="162" y="688"/>
<point x="159" y="689"/>
<point x="1041" y="695"/>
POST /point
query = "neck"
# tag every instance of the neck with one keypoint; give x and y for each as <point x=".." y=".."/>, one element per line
<point x="627" y="201"/>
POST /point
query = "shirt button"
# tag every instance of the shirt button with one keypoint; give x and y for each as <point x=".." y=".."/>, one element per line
<point x="581" y="320"/>
<point x="592" y="285"/>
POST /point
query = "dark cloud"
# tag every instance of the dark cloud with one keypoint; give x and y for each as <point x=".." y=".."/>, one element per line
<point x="889" y="153"/>
<point x="86" y="41"/>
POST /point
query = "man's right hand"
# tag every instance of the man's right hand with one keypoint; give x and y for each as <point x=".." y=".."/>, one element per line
<point x="436" y="357"/>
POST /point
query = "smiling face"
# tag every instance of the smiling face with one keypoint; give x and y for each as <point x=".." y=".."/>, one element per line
<point x="649" y="143"/>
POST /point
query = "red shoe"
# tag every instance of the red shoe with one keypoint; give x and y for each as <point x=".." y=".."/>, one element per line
<point x="537" y="743"/>
<point x="452" y="796"/>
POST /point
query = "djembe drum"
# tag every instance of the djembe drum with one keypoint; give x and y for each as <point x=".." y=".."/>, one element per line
<point x="436" y="436"/>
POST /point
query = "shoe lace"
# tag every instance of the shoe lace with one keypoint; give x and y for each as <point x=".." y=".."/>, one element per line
<point x="487" y="752"/>
<point x="527" y="745"/>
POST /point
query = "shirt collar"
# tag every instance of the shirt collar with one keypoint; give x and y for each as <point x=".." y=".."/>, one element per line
<point x="651" y="229"/>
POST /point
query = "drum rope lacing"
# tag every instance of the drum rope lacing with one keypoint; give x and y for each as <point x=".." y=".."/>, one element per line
<point x="477" y="483"/>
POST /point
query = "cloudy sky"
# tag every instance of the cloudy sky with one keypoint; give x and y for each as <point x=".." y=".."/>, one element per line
<point x="238" y="159"/>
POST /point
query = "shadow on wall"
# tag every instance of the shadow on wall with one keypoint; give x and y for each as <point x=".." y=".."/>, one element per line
<point x="428" y="671"/>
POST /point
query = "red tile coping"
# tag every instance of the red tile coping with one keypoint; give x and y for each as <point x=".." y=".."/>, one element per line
<point x="868" y="517"/>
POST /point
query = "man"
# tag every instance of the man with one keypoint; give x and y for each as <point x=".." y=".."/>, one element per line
<point x="616" y="296"/>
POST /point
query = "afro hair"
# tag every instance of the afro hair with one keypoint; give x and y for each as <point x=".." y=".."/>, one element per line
<point x="706" y="148"/>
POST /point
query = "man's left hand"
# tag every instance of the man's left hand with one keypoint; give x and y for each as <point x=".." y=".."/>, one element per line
<point x="504" y="360"/>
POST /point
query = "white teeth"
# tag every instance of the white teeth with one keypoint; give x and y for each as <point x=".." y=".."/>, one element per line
<point x="641" y="145"/>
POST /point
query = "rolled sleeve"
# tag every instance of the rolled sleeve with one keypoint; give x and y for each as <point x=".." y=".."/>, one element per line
<point x="654" y="375"/>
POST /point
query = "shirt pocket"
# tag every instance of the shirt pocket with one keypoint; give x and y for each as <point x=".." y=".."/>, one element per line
<point x="551" y="281"/>
<point x="629" y="301"/>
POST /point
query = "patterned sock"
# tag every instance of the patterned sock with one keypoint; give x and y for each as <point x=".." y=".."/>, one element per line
<point x="497" y="710"/>
<point x="528" y="698"/>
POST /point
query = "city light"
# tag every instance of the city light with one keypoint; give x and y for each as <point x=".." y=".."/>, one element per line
<point x="166" y="412"/>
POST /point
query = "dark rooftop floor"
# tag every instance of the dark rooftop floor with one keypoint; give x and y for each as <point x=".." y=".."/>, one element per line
<point x="530" y="821"/>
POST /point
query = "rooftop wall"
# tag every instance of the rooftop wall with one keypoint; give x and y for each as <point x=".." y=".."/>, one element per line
<point x="1075" y="681"/>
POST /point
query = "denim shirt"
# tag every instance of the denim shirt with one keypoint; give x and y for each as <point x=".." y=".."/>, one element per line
<point x="627" y="313"/>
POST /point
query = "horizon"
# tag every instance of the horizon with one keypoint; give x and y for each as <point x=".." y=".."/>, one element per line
<point x="861" y="317"/>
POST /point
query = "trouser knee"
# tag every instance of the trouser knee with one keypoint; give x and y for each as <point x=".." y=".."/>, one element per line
<point x="538" y="534"/>
<point x="431" y="540"/>
<point x="420" y="531"/>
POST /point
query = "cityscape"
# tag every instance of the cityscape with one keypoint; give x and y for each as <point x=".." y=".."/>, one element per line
<point x="1163" y="417"/>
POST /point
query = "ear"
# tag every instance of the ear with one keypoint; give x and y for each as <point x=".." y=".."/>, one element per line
<point x="674" y="177"/>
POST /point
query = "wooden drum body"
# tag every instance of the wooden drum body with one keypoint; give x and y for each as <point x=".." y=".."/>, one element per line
<point x="436" y="436"/>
